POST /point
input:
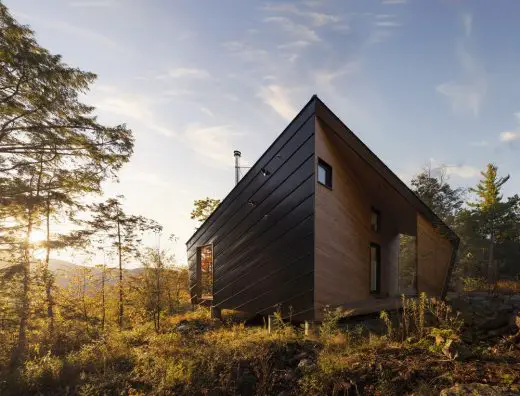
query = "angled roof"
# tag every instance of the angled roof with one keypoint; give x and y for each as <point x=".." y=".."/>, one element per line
<point x="316" y="107"/>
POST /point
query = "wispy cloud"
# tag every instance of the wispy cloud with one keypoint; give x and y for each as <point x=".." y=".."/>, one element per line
<point x="113" y="102"/>
<point x="469" y="94"/>
<point x="93" y="3"/>
<point x="467" y="20"/>
<point x="278" y="98"/>
<point x="245" y="51"/>
<point x="316" y="19"/>
<point x="296" y="30"/>
<point x="383" y="23"/>
<point x="383" y="27"/>
<point x="393" y="2"/>
<point x="462" y="171"/>
<point x="326" y="77"/>
<point x="511" y="136"/>
<point x="212" y="143"/>
<point x="71" y="29"/>
<point x="186" y="72"/>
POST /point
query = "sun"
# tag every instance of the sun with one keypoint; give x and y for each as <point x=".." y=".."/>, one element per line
<point x="37" y="236"/>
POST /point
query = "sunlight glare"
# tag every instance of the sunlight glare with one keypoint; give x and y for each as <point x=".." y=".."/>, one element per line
<point x="37" y="236"/>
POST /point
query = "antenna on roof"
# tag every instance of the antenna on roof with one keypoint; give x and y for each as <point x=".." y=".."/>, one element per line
<point x="237" y="155"/>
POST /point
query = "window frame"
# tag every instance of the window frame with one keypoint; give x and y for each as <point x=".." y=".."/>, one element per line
<point x="199" y="269"/>
<point x="328" y="173"/>
<point x="378" y="222"/>
<point x="377" y="290"/>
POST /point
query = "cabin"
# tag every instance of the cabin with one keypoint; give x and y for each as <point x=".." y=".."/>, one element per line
<point x="318" y="221"/>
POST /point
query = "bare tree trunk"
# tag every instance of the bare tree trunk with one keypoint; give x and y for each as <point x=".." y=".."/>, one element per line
<point x="103" y="306"/>
<point x="83" y="299"/>
<point x="48" y="278"/>
<point x="158" y="297"/>
<point x="18" y="354"/>
<point x="121" y="309"/>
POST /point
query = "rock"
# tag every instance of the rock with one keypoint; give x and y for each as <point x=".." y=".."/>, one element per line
<point x="506" y="308"/>
<point x="496" y="322"/>
<point x="306" y="365"/>
<point x="183" y="328"/>
<point x="247" y="383"/>
<point x="475" y="389"/>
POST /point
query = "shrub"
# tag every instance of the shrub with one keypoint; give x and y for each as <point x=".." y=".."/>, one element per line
<point x="43" y="372"/>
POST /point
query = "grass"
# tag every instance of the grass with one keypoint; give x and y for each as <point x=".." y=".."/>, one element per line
<point x="419" y="353"/>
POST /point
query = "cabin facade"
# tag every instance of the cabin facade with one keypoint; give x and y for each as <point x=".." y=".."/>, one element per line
<point x="318" y="221"/>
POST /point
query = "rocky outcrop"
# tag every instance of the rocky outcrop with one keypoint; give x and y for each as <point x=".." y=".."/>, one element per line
<point x="487" y="316"/>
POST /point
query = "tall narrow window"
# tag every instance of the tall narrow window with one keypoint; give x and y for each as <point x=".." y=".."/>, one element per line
<point x="324" y="173"/>
<point x="375" y="268"/>
<point x="375" y="220"/>
<point x="205" y="259"/>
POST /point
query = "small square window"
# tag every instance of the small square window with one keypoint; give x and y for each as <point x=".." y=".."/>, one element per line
<point x="324" y="173"/>
<point x="375" y="220"/>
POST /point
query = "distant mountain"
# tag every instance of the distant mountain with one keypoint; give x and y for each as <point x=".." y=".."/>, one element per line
<point x="64" y="271"/>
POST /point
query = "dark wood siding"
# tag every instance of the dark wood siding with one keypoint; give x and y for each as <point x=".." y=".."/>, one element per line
<point x="263" y="231"/>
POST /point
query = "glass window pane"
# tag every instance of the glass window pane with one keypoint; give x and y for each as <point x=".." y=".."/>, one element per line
<point x="322" y="174"/>
<point x="373" y="268"/>
<point x="374" y="221"/>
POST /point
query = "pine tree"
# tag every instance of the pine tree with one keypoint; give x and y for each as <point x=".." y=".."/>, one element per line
<point x="492" y="213"/>
<point x="123" y="231"/>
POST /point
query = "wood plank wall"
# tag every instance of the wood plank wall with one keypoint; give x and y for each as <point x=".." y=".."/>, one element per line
<point x="434" y="253"/>
<point x="343" y="233"/>
<point x="263" y="232"/>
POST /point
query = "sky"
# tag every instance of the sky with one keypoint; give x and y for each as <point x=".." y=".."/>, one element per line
<point x="419" y="81"/>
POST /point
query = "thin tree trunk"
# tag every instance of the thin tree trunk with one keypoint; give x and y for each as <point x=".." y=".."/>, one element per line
<point x="490" y="266"/>
<point x="18" y="354"/>
<point x="48" y="280"/>
<point x="119" y="248"/>
<point x="103" y="308"/>
<point x="84" y="299"/>
<point x="158" y="297"/>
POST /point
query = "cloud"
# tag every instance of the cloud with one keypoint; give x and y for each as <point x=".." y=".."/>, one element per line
<point x="207" y="111"/>
<point x="377" y="36"/>
<point x="92" y="3"/>
<point x="212" y="143"/>
<point x="129" y="106"/>
<point x="509" y="136"/>
<point x="387" y="24"/>
<point x="70" y="29"/>
<point x="186" y="72"/>
<point x="462" y="171"/>
<point x="467" y="20"/>
<point x="393" y="2"/>
<point x="316" y="19"/>
<point x="246" y="52"/>
<point x="325" y="78"/>
<point x="298" y="31"/>
<point x="468" y="95"/>
<point x="277" y="97"/>
<point x="294" y="45"/>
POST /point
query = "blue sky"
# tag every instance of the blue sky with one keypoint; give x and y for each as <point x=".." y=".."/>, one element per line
<point x="417" y="80"/>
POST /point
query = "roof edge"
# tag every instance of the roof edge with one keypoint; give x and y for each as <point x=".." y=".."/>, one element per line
<point x="388" y="174"/>
<point x="312" y="102"/>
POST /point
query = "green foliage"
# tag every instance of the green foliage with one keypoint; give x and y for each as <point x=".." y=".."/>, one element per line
<point x="435" y="192"/>
<point x="203" y="208"/>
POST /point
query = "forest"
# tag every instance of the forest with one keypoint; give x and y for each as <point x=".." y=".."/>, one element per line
<point x="109" y="329"/>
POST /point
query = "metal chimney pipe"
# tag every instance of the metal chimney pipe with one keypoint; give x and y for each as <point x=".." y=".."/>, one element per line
<point x="237" y="155"/>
